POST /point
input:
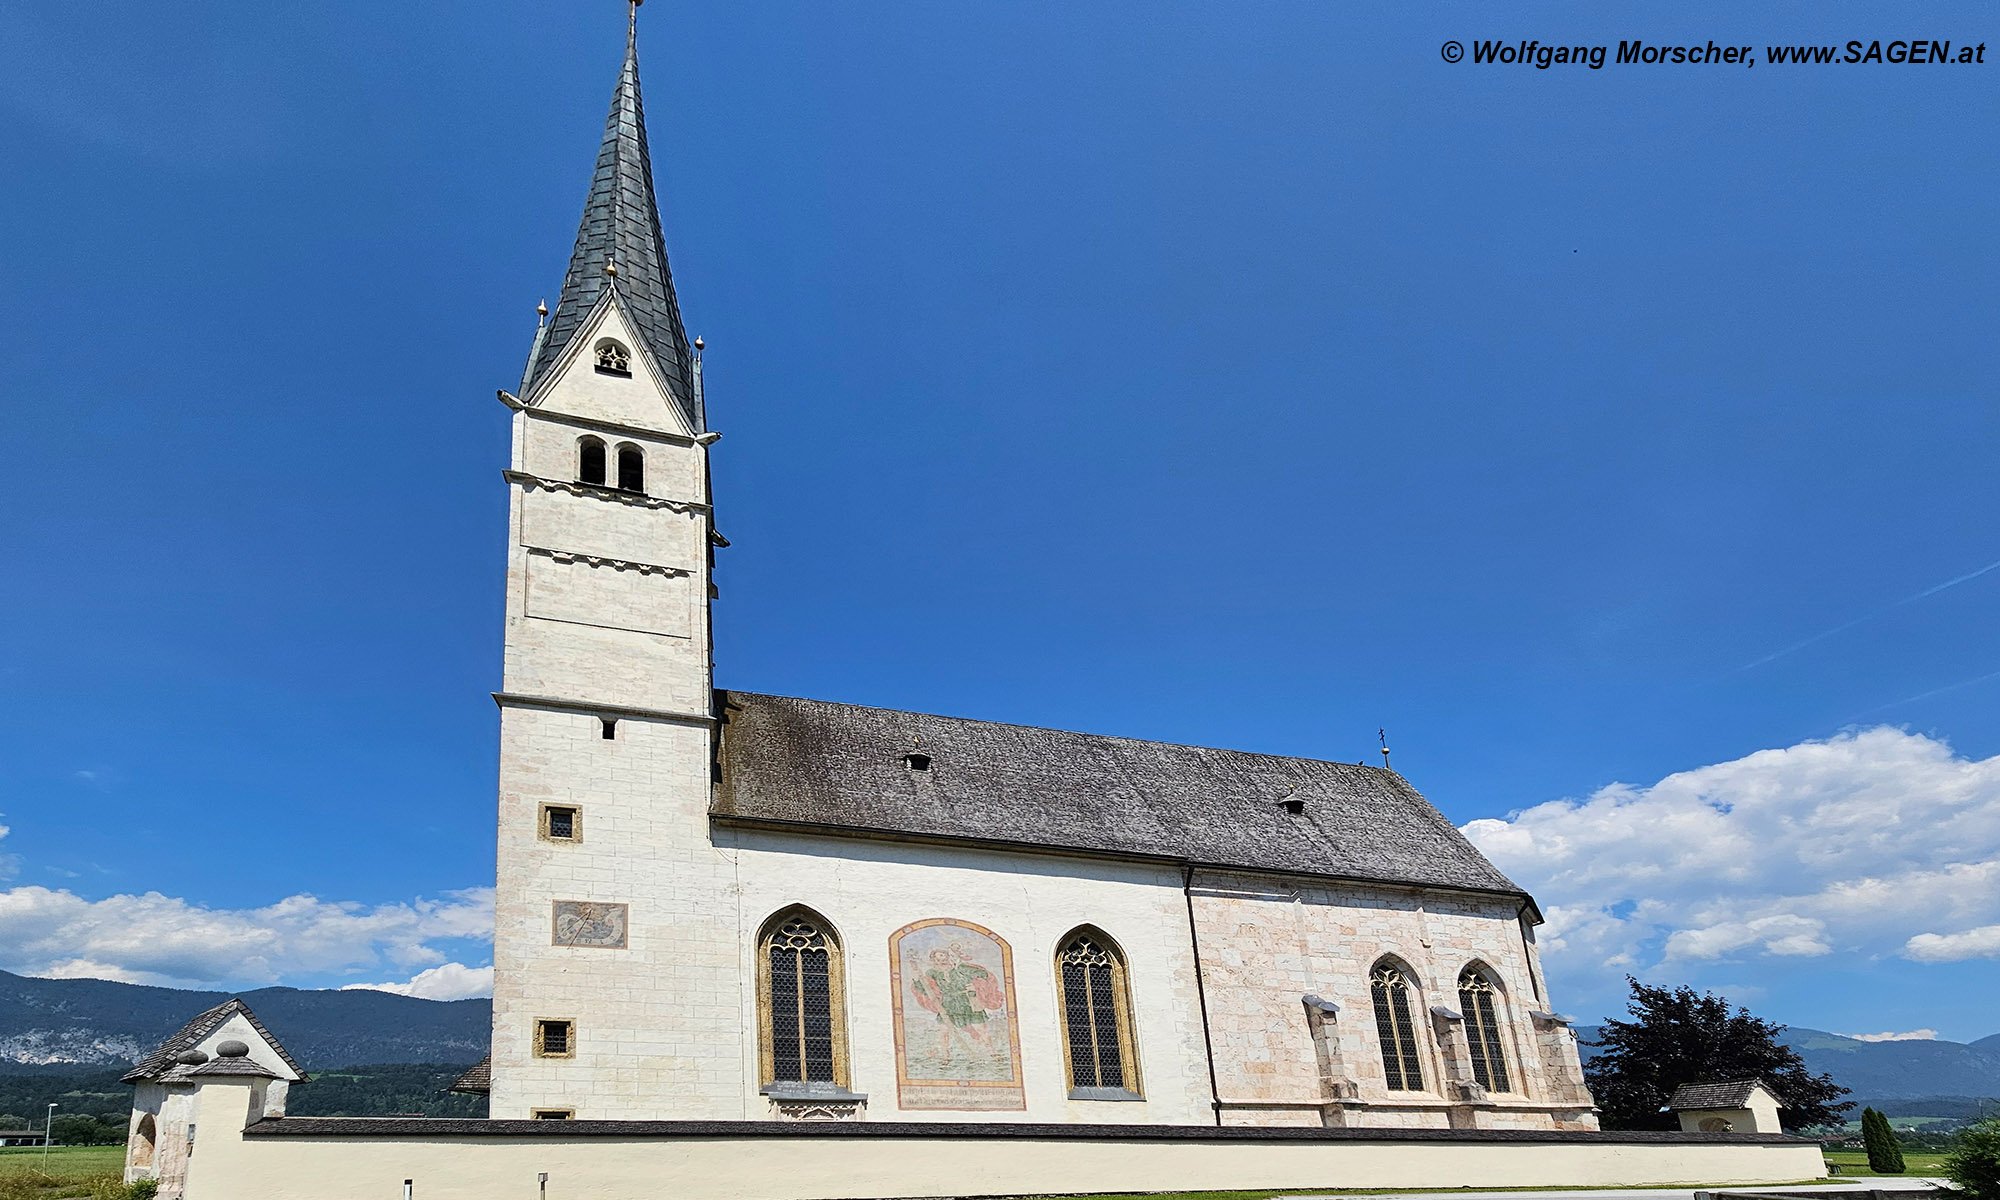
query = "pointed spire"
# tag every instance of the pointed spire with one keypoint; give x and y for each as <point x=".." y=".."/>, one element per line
<point x="619" y="249"/>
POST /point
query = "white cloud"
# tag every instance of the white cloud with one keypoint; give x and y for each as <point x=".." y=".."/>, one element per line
<point x="1877" y="842"/>
<point x="1983" y="942"/>
<point x="1913" y="1035"/>
<point x="153" y="938"/>
<point x="449" y="981"/>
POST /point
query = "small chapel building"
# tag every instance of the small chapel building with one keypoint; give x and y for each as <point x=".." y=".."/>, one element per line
<point x="720" y="905"/>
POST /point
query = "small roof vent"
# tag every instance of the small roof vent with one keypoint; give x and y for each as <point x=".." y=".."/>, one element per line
<point x="1293" y="805"/>
<point x="917" y="760"/>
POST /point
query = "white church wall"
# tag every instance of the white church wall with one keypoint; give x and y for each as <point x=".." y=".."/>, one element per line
<point x="812" y="1163"/>
<point x="867" y="890"/>
<point x="657" y="1021"/>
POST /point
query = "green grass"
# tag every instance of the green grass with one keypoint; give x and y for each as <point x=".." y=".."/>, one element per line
<point x="85" y="1172"/>
<point x="1917" y="1162"/>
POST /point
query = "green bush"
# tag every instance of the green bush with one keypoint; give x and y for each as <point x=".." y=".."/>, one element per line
<point x="1974" y="1168"/>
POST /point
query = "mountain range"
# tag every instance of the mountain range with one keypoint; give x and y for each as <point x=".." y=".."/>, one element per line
<point x="1892" y="1074"/>
<point x="63" y="1024"/>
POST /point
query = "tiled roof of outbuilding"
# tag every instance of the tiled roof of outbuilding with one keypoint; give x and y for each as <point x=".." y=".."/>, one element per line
<point x="477" y="1080"/>
<point x="161" y="1060"/>
<point x="1733" y="1094"/>
<point x="842" y="768"/>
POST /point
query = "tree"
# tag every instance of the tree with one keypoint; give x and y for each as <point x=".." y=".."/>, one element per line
<point x="1974" y="1168"/>
<point x="1885" y="1154"/>
<point x="1680" y="1036"/>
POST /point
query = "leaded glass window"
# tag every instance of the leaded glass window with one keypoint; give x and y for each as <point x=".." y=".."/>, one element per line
<point x="1482" y="1031"/>
<point x="804" y="1022"/>
<point x="1393" y="1024"/>
<point x="1097" y="1022"/>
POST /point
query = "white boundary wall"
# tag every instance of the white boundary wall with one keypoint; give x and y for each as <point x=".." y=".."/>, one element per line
<point x="360" y="1159"/>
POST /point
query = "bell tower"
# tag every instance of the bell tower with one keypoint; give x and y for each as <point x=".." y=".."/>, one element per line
<point x="605" y="864"/>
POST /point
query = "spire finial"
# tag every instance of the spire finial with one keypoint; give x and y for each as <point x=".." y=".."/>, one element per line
<point x="632" y="26"/>
<point x="1383" y="735"/>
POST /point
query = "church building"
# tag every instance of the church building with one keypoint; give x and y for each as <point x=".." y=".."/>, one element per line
<point x="722" y="905"/>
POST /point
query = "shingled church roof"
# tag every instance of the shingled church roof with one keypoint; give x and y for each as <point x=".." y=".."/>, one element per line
<point x="845" y="768"/>
<point x="621" y="225"/>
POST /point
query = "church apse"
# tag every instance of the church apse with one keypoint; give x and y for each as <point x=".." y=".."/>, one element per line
<point x="958" y="1042"/>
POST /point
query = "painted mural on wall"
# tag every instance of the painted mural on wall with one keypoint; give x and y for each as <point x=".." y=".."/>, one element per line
<point x="958" y="1045"/>
<point x="582" y="923"/>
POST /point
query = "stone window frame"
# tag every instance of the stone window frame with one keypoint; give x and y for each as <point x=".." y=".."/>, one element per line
<point x="1483" y="1003"/>
<point x="569" y="1040"/>
<point x="1120" y="1001"/>
<point x="836" y="976"/>
<point x="575" y="824"/>
<point x="628" y="468"/>
<point x="1400" y="1044"/>
<point x="593" y="461"/>
<point x="552" y="1114"/>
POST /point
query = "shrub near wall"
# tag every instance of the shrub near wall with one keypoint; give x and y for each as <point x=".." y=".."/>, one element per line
<point x="1974" y="1168"/>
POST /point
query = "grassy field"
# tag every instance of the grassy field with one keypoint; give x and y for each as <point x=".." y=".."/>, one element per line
<point x="85" y="1172"/>
<point x="1855" y="1162"/>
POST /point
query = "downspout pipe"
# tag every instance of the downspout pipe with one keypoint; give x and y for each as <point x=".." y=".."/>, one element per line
<point x="1201" y="992"/>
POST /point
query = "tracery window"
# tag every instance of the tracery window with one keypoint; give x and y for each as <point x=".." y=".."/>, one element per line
<point x="802" y="1001"/>
<point x="1097" y="1013"/>
<point x="1482" y="1030"/>
<point x="612" y="358"/>
<point x="1396" y="1028"/>
<point x="590" y="461"/>
<point x="631" y="469"/>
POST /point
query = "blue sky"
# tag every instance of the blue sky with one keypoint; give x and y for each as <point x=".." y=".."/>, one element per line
<point x="1243" y="377"/>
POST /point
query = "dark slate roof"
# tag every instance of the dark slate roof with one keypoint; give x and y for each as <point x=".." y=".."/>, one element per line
<point x="621" y="224"/>
<point x="1733" y="1094"/>
<point x="161" y="1060"/>
<point x="477" y="1080"/>
<point x="840" y="767"/>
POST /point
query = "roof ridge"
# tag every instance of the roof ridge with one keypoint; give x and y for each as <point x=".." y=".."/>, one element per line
<point x="1109" y="737"/>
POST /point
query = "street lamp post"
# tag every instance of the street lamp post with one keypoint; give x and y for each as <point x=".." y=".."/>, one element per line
<point x="48" y="1136"/>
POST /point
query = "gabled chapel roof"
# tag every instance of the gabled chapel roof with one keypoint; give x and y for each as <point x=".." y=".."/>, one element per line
<point x="842" y="768"/>
<point x="161" y="1060"/>
<point x="1733" y="1094"/>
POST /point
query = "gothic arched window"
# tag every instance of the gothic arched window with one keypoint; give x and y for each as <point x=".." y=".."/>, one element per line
<point x="1097" y="1013"/>
<point x="1482" y="1030"/>
<point x="612" y="358"/>
<point x="631" y="468"/>
<point x="1396" y="1028"/>
<point x="590" y="461"/>
<point x="802" y="1001"/>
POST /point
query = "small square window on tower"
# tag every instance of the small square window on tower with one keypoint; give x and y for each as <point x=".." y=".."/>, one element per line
<point x="608" y="728"/>
<point x="562" y="823"/>
<point x="555" y="1039"/>
<point x="555" y="1114"/>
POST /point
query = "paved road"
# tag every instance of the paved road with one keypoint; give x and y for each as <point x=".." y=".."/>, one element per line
<point x="1858" y="1182"/>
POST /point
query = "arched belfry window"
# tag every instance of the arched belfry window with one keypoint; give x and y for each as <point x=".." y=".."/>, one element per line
<point x="1482" y="1030"/>
<point x="612" y="358"/>
<point x="590" y="461"/>
<point x="801" y="1000"/>
<point x="1396" y="1026"/>
<point x="631" y="468"/>
<point x="1097" y="1014"/>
